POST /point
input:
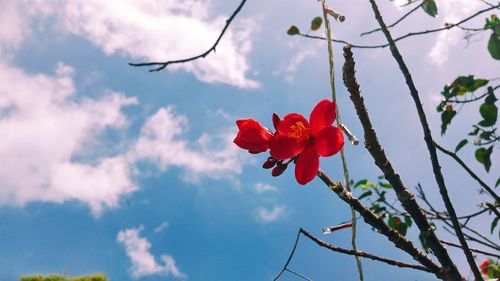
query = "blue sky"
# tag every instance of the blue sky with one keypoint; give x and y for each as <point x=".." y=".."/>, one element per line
<point x="108" y="168"/>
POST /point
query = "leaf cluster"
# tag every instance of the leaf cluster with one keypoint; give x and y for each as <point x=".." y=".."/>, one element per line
<point x="56" y="277"/>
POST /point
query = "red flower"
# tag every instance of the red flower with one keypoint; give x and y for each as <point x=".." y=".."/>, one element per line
<point x="252" y="136"/>
<point x="307" y="140"/>
<point x="484" y="267"/>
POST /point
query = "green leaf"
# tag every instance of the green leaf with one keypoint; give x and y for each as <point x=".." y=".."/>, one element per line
<point x="361" y="182"/>
<point x="475" y="132"/>
<point x="446" y="118"/>
<point x="316" y="23"/>
<point x="461" y="144"/>
<point x="464" y="84"/>
<point x="486" y="135"/>
<point x="440" y="106"/>
<point x="483" y="156"/>
<point x="293" y="30"/>
<point x="398" y="225"/>
<point x="490" y="113"/>
<point x="365" y="194"/>
<point x="494" y="224"/>
<point x="385" y="185"/>
<point x="490" y="99"/>
<point x="494" y="46"/>
<point x="408" y="221"/>
<point x="430" y="7"/>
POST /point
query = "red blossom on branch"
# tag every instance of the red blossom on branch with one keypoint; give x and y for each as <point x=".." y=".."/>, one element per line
<point x="296" y="138"/>
<point x="252" y="136"/>
<point x="484" y="267"/>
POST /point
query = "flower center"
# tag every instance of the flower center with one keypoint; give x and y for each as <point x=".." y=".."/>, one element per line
<point x="299" y="132"/>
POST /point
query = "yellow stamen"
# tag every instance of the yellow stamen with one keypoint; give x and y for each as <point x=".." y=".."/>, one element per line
<point x="299" y="132"/>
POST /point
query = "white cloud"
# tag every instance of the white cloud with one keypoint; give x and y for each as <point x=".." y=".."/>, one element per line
<point x="44" y="127"/>
<point x="161" y="227"/>
<point x="270" y="215"/>
<point x="148" y="30"/>
<point x="293" y="65"/>
<point x="450" y="11"/>
<point x="143" y="262"/>
<point x="264" y="187"/>
<point x="163" y="142"/>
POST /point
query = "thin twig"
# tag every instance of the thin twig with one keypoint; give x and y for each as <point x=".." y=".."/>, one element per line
<point x="329" y="35"/>
<point x="490" y="90"/>
<point x="447" y="27"/>
<point x="161" y="65"/>
<point x="472" y="249"/>
<point x="438" y="215"/>
<point x="376" y="151"/>
<point x="454" y="273"/>
<point x="396" y="22"/>
<point x="298" y="274"/>
<point x="289" y="257"/>
<point x="378" y="223"/>
<point x="471" y="173"/>
<point x="362" y="254"/>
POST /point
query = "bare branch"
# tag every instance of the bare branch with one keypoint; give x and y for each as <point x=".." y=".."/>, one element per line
<point x="161" y="65"/>
<point x="471" y="173"/>
<point x="396" y="22"/>
<point x="362" y="254"/>
<point x="472" y="249"/>
<point x="289" y="258"/>
<point x="447" y="27"/>
<point x="432" y="150"/>
<point x="490" y="90"/>
<point x="373" y="146"/>
<point x="378" y="223"/>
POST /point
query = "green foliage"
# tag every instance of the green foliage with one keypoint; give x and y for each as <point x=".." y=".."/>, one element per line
<point x="397" y="224"/>
<point x="489" y="111"/>
<point x="430" y="7"/>
<point x="493" y="23"/>
<point x="54" y="277"/>
<point x="375" y="194"/>
<point x="446" y="118"/>
<point x="316" y="23"/>
<point x="423" y="239"/>
<point x="462" y="85"/>
<point x="494" y="225"/>
<point x="461" y="144"/>
<point x="461" y="91"/>
<point x="483" y="156"/>
<point x="293" y="30"/>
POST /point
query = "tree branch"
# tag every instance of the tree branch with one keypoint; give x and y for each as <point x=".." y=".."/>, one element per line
<point x="289" y="258"/>
<point x="378" y="223"/>
<point x="362" y="254"/>
<point x="396" y="22"/>
<point x="161" y="65"/>
<point x="472" y="249"/>
<point x="432" y="150"/>
<point x="471" y="173"/>
<point x="447" y="27"/>
<point x="373" y="146"/>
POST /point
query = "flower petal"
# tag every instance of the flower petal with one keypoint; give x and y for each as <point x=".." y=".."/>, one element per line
<point x="322" y="115"/>
<point x="307" y="165"/>
<point x="284" y="147"/>
<point x="252" y="135"/>
<point x="284" y="126"/>
<point x="329" y="141"/>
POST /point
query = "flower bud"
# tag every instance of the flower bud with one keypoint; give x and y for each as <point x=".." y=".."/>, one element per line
<point x="270" y="162"/>
<point x="277" y="171"/>
<point x="276" y="120"/>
